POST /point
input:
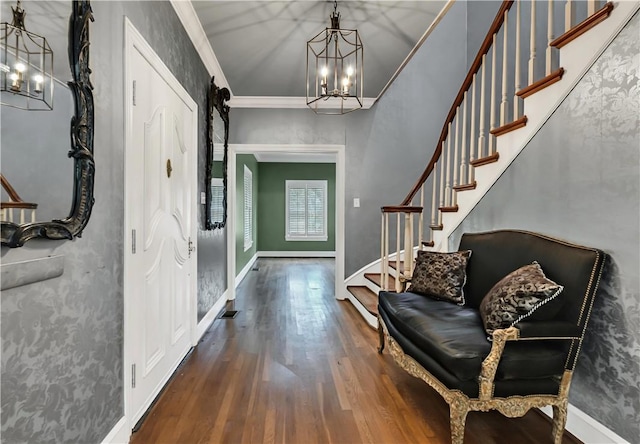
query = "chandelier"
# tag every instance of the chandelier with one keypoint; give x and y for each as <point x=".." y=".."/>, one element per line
<point x="26" y="66"/>
<point x="335" y="69"/>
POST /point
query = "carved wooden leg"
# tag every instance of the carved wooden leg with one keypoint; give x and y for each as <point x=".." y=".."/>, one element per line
<point x="559" y="421"/>
<point x="381" y="336"/>
<point x="458" y="410"/>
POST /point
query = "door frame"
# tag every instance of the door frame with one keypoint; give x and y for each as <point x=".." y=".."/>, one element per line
<point x="338" y="151"/>
<point x="134" y="41"/>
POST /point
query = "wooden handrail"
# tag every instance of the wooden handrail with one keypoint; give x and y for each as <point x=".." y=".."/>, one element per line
<point x="16" y="201"/>
<point x="401" y="209"/>
<point x="475" y="66"/>
<point x="22" y="205"/>
<point x="13" y="195"/>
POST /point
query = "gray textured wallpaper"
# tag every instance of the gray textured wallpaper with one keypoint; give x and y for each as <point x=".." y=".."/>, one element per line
<point x="62" y="339"/>
<point x="579" y="179"/>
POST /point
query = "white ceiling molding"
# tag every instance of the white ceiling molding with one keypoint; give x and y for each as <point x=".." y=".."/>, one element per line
<point x="426" y="34"/>
<point x="277" y="157"/>
<point x="282" y="102"/>
<point x="191" y="23"/>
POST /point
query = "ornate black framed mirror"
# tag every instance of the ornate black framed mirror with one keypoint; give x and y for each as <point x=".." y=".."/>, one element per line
<point x="17" y="228"/>
<point x="217" y="146"/>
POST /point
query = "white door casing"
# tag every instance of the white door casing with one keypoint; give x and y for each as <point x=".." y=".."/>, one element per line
<point x="160" y="185"/>
<point x="340" y="160"/>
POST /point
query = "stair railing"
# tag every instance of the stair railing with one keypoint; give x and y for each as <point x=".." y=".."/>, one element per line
<point x="488" y="105"/>
<point x="15" y="203"/>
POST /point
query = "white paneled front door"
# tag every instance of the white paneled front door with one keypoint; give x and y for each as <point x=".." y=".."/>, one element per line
<point x="160" y="163"/>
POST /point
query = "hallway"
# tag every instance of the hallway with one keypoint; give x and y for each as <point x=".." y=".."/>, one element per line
<point x="297" y="366"/>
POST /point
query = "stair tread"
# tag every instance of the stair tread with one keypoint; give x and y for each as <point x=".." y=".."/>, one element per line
<point x="366" y="297"/>
<point x="376" y="278"/>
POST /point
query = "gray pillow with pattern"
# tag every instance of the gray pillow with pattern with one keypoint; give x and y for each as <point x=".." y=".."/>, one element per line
<point x="516" y="296"/>
<point x="441" y="275"/>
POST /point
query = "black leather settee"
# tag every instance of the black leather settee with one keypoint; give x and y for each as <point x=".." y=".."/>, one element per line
<point x="525" y="366"/>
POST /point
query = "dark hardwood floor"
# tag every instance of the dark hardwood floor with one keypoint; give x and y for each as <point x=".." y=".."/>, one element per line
<point x="297" y="366"/>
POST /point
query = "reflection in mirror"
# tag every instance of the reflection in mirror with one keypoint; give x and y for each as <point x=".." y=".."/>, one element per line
<point x="216" y="175"/>
<point x="36" y="145"/>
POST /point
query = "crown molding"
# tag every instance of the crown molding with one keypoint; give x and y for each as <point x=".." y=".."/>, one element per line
<point x="282" y="102"/>
<point x="187" y="15"/>
<point x="295" y="157"/>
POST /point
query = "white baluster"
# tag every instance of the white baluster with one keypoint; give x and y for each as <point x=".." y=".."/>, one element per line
<point x="591" y="7"/>
<point x="21" y="216"/>
<point x="549" y="38"/>
<point x="383" y="259"/>
<point x="408" y="244"/>
<point x="568" y="15"/>
<point x="447" y="190"/>
<point x="483" y="111"/>
<point x="456" y="155"/>
<point x="472" y="147"/>
<point x="434" y="198"/>
<point x="532" y="45"/>
<point x="421" y="217"/>
<point x="492" y="106"/>
<point x="3" y="214"/>
<point x="442" y="187"/>
<point x="386" y="253"/>
<point x="10" y="214"/>
<point x="516" y="99"/>
<point x="505" y="54"/>
<point x="398" y="269"/>
<point x="463" y="150"/>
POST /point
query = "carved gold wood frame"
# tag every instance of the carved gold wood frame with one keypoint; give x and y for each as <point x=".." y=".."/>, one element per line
<point x="460" y="404"/>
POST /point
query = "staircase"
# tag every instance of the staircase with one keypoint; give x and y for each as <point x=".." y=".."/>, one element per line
<point x="531" y="58"/>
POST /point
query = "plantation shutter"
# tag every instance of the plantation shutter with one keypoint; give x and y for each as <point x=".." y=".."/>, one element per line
<point x="248" y="208"/>
<point x="217" y="204"/>
<point x="306" y="210"/>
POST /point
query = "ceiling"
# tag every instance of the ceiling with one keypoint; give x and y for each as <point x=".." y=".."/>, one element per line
<point x="261" y="45"/>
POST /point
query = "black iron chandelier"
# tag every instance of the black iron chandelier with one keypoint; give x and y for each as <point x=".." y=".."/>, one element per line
<point x="335" y="69"/>
<point x="26" y="66"/>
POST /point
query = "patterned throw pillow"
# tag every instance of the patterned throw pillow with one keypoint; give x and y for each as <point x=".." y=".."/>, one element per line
<point x="516" y="296"/>
<point x="441" y="275"/>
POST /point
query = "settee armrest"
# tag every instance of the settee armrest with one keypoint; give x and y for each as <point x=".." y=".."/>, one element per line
<point x="531" y="330"/>
<point x="490" y="363"/>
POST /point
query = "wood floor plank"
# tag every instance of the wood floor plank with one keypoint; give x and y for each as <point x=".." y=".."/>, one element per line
<point x="297" y="366"/>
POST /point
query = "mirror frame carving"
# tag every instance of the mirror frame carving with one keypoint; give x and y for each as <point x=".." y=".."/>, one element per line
<point x="216" y="102"/>
<point x="82" y="133"/>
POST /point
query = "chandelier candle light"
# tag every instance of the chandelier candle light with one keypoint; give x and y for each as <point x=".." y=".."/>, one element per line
<point x="26" y="66"/>
<point x="335" y="69"/>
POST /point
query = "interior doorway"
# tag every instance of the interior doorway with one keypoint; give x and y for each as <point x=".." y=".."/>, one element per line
<point x="334" y="152"/>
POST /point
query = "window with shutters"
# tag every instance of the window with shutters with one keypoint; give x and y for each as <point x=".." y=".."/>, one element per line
<point x="217" y="199"/>
<point x="248" y="208"/>
<point x="306" y="210"/>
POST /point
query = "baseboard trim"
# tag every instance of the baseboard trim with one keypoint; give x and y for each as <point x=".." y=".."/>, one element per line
<point x="587" y="429"/>
<point x="211" y="315"/>
<point x="304" y="254"/>
<point x="246" y="269"/>
<point x="119" y="434"/>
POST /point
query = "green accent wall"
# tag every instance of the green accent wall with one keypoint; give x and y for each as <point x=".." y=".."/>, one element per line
<point x="216" y="168"/>
<point x="243" y="257"/>
<point x="272" y="205"/>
